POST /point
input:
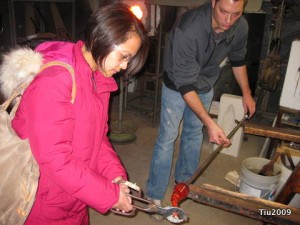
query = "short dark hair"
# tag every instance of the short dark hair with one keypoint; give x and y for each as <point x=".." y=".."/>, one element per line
<point x="112" y="25"/>
<point x="245" y="2"/>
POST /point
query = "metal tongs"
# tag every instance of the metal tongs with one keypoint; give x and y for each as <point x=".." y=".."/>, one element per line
<point x="172" y="214"/>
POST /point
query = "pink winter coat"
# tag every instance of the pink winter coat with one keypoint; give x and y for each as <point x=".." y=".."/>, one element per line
<point x="69" y="141"/>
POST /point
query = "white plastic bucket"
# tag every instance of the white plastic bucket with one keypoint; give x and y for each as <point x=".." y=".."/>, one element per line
<point x="258" y="185"/>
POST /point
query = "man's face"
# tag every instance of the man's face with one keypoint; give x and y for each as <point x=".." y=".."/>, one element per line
<point x="225" y="13"/>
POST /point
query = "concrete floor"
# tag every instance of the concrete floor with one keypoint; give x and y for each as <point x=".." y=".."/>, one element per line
<point x="136" y="157"/>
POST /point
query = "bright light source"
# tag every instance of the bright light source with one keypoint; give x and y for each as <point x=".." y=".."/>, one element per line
<point x="137" y="11"/>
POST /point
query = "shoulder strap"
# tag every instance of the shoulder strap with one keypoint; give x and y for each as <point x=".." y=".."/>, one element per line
<point x="14" y="95"/>
<point x="69" y="68"/>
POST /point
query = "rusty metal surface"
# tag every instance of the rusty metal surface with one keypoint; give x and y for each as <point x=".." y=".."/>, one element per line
<point x="244" y="205"/>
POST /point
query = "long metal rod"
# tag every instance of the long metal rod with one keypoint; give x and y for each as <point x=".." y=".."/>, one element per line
<point x="121" y="98"/>
<point x="215" y="153"/>
<point x="158" y="64"/>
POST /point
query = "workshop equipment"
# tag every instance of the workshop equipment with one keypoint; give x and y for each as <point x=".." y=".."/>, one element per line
<point x="122" y="131"/>
<point x="181" y="190"/>
<point x="270" y="72"/>
<point x="230" y="109"/>
<point x="267" y="169"/>
<point x="172" y="214"/>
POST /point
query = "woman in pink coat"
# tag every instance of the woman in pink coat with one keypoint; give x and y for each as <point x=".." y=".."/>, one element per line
<point x="78" y="166"/>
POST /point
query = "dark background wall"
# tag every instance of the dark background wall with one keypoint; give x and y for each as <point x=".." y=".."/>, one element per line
<point x="258" y="43"/>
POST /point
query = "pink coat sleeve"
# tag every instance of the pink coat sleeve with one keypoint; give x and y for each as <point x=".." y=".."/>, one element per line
<point x="49" y="127"/>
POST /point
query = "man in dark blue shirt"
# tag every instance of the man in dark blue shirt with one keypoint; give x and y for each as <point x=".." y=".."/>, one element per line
<point x="200" y="41"/>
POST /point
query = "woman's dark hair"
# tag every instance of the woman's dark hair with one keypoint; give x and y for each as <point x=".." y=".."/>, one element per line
<point x="112" y="25"/>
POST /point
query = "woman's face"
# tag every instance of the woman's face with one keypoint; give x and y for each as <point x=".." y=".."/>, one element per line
<point x="119" y="58"/>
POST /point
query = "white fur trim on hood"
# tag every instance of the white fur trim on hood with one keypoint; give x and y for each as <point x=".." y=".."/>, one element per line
<point x="18" y="66"/>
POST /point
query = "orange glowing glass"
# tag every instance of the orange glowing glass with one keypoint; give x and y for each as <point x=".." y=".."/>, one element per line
<point x="137" y="11"/>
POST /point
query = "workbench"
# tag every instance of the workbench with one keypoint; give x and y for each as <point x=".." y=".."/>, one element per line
<point x="277" y="212"/>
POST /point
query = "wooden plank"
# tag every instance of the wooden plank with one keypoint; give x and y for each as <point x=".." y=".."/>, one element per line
<point x="290" y="188"/>
<point x="272" y="132"/>
<point x="283" y="147"/>
<point x="244" y="205"/>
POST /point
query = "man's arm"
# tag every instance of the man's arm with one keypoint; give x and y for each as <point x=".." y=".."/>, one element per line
<point x="216" y="134"/>
<point x="240" y="74"/>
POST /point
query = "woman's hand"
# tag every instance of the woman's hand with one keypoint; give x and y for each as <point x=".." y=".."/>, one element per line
<point x="124" y="202"/>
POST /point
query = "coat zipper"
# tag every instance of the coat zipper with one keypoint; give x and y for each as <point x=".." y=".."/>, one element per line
<point x="94" y="82"/>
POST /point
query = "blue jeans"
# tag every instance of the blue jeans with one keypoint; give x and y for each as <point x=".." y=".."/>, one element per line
<point x="173" y="111"/>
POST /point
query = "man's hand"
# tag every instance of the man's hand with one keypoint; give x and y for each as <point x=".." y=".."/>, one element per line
<point x="240" y="74"/>
<point x="249" y="105"/>
<point x="217" y="135"/>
